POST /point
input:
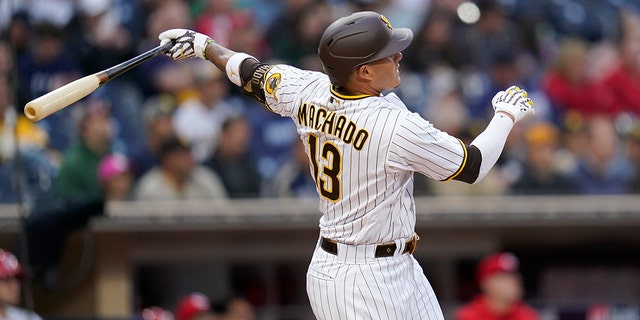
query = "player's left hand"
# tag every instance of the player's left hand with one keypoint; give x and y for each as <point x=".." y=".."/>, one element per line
<point x="514" y="102"/>
<point x="187" y="43"/>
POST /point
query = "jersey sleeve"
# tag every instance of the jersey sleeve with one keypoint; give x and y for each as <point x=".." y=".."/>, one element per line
<point x="282" y="85"/>
<point x="418" y="146"/>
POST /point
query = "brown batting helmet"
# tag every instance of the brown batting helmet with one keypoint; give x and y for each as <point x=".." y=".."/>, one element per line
<point x="357" y="39"/>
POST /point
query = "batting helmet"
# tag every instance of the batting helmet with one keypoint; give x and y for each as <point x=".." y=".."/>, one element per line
<point x="357" y="39"/>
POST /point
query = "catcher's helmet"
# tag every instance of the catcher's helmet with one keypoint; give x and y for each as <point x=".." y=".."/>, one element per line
<point x="360" y="38"/>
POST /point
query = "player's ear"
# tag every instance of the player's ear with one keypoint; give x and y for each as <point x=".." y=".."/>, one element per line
<point x="364" y="73"/>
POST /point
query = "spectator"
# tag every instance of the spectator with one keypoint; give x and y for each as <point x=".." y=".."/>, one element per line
<point x="234" y="24"/>
<point x="195" y="306"/>
<point x="623" y="83"/>
<point x="57" y="13"/>
<point x="444" y="106"/>
<point x="101" y="41"/>
<point x="238" y="309"/>
<point x="76" y="197"/>
<point x="221" y="20"/>
<point x="30" y="136"/>
<point x="601" y="170"/>
<point x="114" y="174"/>
<point x="501" y="292"/>
<point x="568" y="84"/>
<point x="432" y="45"/>
<point x="501" y="69"/>
<point x="157" y="115"/>
<point x="156" y="313"/>
<point x="178" y="176"/>
<point x="11" y="273"/>
<point x="250" y="39"/>
<point x="492" y="34"/>
<point x="633" y="155"/>
<point x="232" y="162"/>
<point x="294" y="180"/>
<point x="43" y="68"/>
<point x="198" y="120"/>
<point x="159" y="75"/>
<point x="37" y="172"/>
<point x="19" y="33"/>
<point x="36" y="177"/>
<point x="78" y="176"/>
<point x="284" y="34"/>
<point x="271" y="139"/>
<point x="540" y="174"/>
<point x="6" y="59"/>
<point x="308" y="29"/>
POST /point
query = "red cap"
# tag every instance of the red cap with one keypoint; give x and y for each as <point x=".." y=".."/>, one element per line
<point x="156" y="313"/>
<point x="9" y="266"/>
<point x="191" y="306"/>
<point x="496" y="263"/>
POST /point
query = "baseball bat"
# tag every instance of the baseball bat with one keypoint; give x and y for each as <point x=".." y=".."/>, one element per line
<point x="45" y="105"/>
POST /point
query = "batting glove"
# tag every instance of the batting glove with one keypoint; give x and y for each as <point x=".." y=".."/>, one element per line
<point x="513" y="101"/>
<point x="187" y="43"/>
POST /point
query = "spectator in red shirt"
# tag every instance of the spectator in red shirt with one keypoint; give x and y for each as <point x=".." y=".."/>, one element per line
<point x="623" y="83"/>
<point x="569" y="86"/>
<point x="221" y="20"/>
<point x="501" y="297"/>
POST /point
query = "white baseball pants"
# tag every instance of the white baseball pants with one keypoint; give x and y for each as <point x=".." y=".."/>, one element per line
<point x="355" y="285"/>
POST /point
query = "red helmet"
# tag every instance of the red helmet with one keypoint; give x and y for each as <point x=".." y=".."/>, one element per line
<point x="357" y="39"/>
<point x="9" y="266"/>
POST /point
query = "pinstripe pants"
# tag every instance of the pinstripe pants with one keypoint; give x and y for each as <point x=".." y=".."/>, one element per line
<point x="355" y="285"/>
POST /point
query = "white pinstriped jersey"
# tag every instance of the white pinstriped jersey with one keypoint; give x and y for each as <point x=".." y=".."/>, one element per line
<point x="363" y="151"/>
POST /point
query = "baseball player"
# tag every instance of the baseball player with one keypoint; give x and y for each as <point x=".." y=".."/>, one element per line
<point x="364" y="148"/>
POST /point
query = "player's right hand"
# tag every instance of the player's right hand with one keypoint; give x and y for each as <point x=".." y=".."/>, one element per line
<point x="513" y="101"/>
<point x="187" y="43"/>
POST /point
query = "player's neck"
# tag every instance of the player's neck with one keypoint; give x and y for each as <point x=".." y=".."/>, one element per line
<point x="358" y="88"/>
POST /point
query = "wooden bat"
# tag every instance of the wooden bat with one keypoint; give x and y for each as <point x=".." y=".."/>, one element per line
<point x="41" y="107"/>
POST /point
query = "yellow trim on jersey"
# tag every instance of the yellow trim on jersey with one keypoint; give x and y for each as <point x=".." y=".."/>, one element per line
<point x="348" y="97"/>
<point x="464" y="163"/>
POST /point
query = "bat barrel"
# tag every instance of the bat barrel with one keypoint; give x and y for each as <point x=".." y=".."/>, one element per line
<point x="62" y="97"/>
<point x="57" y="99"/>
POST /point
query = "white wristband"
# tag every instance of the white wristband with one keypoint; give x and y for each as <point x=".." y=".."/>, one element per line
<point x="233" y="67"/>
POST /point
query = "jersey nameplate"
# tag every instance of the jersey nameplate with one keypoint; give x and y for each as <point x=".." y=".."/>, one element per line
<point x="321" y="119"/>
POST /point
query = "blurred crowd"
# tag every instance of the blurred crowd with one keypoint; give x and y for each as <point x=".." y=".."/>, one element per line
<point x="196" y="306"/>
<point x="179" y="130"/>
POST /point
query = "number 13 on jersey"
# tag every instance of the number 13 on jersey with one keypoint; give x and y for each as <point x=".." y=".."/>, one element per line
<point x="327" y="177"/>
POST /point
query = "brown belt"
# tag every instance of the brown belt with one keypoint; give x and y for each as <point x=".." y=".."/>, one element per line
<point x="382" y="250"/>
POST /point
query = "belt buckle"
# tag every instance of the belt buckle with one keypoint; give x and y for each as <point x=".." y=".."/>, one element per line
<point x="414" y="243"/>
